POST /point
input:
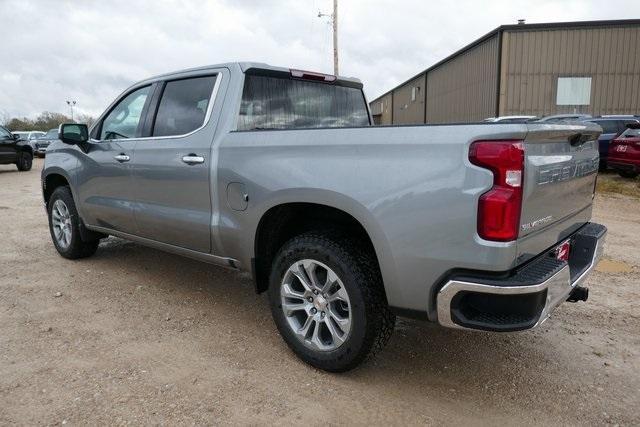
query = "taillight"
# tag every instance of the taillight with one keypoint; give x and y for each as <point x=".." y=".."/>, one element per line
<point x="499" y="208"/>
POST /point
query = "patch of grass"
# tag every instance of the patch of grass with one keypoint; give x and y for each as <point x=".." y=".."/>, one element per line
<point x="609" y="183"/>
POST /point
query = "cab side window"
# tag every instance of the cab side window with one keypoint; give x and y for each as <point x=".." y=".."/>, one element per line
<point x="124" y="119"/>
<point x="183" y="106"/>
<point x="5" y="134"/>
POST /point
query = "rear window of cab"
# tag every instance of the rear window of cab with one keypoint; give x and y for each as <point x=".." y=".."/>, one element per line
<point x="284" y="103"/>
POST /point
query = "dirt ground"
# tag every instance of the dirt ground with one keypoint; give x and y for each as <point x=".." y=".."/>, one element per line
<point x="138" y="336"/>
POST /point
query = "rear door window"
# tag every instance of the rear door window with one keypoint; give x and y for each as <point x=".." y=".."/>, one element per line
<point x="282" y="103"/>
<point x="183" y="106"/>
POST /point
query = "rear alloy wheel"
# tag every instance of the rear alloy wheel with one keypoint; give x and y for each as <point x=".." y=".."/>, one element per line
<point x="316" y="305"/>
<point x="25" y="161"/>
<point x="328" y="301"/>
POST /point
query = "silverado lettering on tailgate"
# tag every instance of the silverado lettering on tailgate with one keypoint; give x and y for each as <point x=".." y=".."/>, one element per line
<point x="548" y="174"/>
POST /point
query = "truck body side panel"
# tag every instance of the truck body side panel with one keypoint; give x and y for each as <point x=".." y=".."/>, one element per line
<point x="412" y="188"/>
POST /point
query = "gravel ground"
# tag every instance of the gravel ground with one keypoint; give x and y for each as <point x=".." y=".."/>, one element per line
<point x="137" y="336"/>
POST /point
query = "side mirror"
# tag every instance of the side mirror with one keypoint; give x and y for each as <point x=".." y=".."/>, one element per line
<point x="16" y="136"/>
<point x="73" y="133"/>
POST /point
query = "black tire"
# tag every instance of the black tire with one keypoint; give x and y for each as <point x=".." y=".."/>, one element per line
<point x="372" y="322"/>
<point x="628" y="174"/>
<point x="25" y="161"/>
<point x="77" y="248"/>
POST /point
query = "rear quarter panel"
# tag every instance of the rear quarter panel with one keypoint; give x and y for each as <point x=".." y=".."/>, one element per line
<point x="411" y="187"/>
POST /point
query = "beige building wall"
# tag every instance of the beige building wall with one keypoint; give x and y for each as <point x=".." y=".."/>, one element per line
<point x="409" y="102"/>
<point x="382" y="109"/>
<point x="464" y="89"/>
<point x="532" y="62"/>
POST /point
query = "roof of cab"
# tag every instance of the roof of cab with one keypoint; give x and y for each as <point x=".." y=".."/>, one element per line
<point x="242" y="66"/>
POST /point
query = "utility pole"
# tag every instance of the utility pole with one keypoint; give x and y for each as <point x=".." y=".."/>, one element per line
<point x="71" y="104"/>
<point x="334" y="22"/>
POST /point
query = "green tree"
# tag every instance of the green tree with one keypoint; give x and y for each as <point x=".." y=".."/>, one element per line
<point x="15" y="124"/>
<point x="86" y="119"/>
<point x="49" y="120"/>
<point x="45" y="121"/>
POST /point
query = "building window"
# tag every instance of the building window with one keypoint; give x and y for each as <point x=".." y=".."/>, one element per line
<point x="573" y="91"/>
<point x="414" y="93"/>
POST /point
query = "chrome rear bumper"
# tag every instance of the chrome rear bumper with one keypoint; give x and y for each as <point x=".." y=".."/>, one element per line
<point x="508" y="303"/>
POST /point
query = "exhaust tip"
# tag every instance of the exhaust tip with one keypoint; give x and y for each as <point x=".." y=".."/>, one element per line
<point x="579" y="293"/>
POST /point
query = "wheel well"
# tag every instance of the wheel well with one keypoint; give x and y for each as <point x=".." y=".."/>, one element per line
<point x="51" y="182"/>
<point x="283" y="222"/>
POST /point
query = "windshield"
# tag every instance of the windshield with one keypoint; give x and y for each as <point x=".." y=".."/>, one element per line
<point x="52" y="134"/>
<point x="630" y="133"/>
<point x="608" y="126"/>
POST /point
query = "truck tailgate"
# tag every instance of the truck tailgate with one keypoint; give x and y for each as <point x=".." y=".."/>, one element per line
<point x="561" y="165"/>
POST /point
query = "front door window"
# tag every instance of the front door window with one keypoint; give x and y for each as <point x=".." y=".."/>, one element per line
<point x="124" y="120"/>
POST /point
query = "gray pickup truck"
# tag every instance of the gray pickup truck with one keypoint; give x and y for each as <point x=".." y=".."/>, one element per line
<point x="345" y="225"/>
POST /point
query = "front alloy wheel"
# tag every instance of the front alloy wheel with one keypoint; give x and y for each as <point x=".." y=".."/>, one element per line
<point x="64" y="225"/>
<point x="61" y="222"/>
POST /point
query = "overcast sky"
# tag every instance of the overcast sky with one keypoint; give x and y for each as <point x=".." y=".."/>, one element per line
<point x="90" y="51"/>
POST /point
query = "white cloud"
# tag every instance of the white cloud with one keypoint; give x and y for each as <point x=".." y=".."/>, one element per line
<point x="92" y="50"/>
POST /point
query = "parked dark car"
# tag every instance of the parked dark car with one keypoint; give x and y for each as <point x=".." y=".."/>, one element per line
<point x="43" y="142"/>
<point x="14" y="150"/>
<point x="612" y="127"/>
<point x="624" y="152"/>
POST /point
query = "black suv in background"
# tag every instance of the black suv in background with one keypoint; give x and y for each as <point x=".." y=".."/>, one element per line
<point x="43" y="142"/>
<point x="14" y="150"/>
<point x="612" y="127"/>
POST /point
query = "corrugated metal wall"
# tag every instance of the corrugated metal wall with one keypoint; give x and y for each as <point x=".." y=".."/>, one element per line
<point x="532" y="61"/>
<point x="384" y="105"/>
<point x="464" y="89"/>
<point x="406" y="110"/>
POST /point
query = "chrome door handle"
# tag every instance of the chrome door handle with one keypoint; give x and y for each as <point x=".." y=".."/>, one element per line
<point x="192" y="159"/>
<point x="122" y="158"/>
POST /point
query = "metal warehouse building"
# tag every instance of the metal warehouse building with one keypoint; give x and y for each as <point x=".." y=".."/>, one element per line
<point x="525" y="69"/>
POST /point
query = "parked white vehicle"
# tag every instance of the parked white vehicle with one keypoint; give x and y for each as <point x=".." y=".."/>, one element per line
<point x="509" y="119"/>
